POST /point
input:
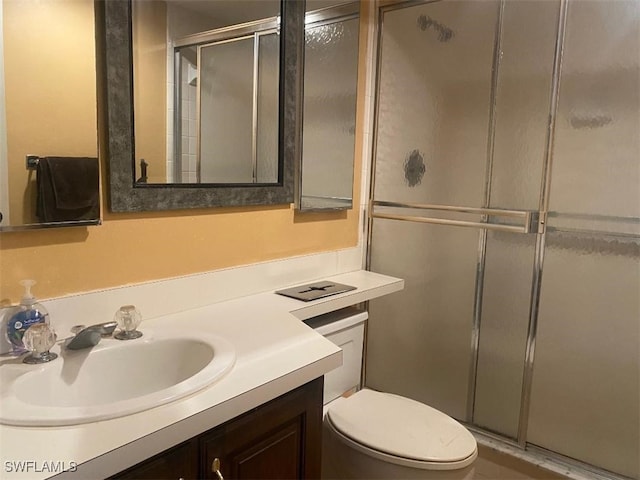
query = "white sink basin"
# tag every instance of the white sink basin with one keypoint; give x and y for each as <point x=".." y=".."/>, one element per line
<point x="113" y="379"/>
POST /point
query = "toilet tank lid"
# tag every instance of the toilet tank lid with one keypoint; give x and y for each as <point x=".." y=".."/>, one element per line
<point x="402" y="427"/>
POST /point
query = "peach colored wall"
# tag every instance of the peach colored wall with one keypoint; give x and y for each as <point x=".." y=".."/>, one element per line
<point x="50" y="88"/>
<point x="133" y="248"/>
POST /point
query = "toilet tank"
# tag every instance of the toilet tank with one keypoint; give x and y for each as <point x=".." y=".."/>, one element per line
<point x="345" y="328"/>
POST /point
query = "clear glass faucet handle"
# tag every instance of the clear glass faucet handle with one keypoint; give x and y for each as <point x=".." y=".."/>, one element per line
<point x="39" y="338"/>
<point x="128" y="318"/>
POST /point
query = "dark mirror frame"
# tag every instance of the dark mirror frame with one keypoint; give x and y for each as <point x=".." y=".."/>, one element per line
<point x="116" y="98"/>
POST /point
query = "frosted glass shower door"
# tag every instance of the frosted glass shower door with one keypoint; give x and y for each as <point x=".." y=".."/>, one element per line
<point x="419" y="339"/>
<point x="434" y="102"/>
<point x="585" y="398"/>
<point x="521" y="120"/>
<point x="460" y="141"/>
<point x="432" y="143"/>
<point x="526" y="327"/>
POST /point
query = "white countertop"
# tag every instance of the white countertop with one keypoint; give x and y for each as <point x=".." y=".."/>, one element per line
<point x="276" y="352"/>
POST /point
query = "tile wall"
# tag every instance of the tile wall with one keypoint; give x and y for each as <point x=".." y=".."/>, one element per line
<point x="188" y="112"/>
<point x="189" y="122"/>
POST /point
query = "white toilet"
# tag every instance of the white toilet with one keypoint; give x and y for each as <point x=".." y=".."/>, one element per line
<point x="372" y="434"/>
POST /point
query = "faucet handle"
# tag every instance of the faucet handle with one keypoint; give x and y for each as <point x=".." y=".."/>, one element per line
<point x="39" y="338"/>
<point x="128" y="317"/>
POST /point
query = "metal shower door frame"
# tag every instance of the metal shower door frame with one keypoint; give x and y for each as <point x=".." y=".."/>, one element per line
<point x="533" y="222"/>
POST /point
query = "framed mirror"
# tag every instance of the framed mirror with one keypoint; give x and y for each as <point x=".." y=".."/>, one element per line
<point x="212" y="65"/>
<point x="49" y="172"/>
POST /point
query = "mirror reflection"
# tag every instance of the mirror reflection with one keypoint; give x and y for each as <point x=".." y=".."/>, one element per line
<point x="48" y="112"/>
<point x="206" y="82"/>
<point x="206" y="91"/>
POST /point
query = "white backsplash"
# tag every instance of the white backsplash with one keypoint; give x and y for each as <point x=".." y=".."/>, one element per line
<point x="163" y="297"/>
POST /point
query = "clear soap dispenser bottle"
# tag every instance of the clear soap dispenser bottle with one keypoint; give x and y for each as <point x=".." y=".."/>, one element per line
<point x="28" y="313"/>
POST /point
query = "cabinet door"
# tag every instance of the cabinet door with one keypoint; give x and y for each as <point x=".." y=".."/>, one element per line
<point x="179" y="462"/>
<point x="278" y="440"/>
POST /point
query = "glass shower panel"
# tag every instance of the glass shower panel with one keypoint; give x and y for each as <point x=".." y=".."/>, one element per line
<point x="585" y="400"/>
<point x="434" y="101"/>
<point x="419" y="339"/>
<point x="226" y="112"/>
<point x="267" y="121"/>
<point x="522" y="102"/>
<point x="330" y="82"/>
<point x="521" y="117"/>
<point x="597" y="144"/>
<point x="504" y="326"/>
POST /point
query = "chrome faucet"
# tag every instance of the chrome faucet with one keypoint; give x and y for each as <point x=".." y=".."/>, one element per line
<point x="90" y="336"/>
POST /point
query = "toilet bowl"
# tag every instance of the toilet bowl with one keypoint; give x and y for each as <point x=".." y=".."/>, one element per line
<point x="372" y="434"/>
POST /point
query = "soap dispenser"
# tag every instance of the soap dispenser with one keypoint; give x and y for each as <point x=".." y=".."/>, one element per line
<point x="28" y="313"/>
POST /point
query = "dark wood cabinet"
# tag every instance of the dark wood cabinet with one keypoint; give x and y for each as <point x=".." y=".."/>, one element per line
<point x="180" y="461"/>
<point x="278" y="440"/>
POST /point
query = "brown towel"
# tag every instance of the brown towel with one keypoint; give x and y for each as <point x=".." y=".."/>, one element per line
<point x="67" y="189"/>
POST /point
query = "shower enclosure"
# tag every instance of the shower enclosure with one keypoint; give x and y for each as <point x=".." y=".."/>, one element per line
<point x="506" y="192"/>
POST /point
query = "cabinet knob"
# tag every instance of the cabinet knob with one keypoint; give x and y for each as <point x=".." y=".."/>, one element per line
<point x="215" y="468"/>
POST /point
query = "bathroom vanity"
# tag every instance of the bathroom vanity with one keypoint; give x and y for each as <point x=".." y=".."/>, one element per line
<point x="267" y="407"/>
<point x="280" y="439"/>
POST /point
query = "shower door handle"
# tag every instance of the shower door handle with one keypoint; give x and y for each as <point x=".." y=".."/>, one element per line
<point x="529" y="218"/>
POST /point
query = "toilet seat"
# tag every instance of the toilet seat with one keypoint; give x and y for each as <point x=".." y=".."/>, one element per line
<point x="429" y="439"/>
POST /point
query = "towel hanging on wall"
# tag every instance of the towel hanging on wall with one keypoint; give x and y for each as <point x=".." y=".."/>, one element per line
<point x="68" y="189"/>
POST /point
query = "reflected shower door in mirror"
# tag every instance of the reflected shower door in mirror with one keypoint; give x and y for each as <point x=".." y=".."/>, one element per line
<point x="206" y="81"/>
<point x="330" y="84"/>
<point x="48" y="109"/>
